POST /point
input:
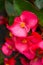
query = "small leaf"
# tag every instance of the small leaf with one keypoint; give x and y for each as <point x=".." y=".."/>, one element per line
<point x="9" y="8"/>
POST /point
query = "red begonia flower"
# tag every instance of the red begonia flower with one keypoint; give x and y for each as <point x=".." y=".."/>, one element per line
<point x="36" y="62"/>
<point x="23" y="45"/>
<point x="35" y="37"/>
<point x="42" y="60"/>
<point x="10" y="61"/>
<point x="8" y="47"/>
<point x="3" y="20"/>
<point x="17" y="29"/>
<point x="23" y="61"/>
<point x="22" y="25"/>
<point x="30" y="18"/>
<point x="41" y="45"/>
<point x="28" y="45"/>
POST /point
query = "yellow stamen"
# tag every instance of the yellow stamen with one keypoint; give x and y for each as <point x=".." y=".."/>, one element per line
<point x="10" y="47"/>
<point x="22" y="24"/>
<point x="10" y="34"/>
<point x="24" y="41"/>
<point x="35" y="59"/>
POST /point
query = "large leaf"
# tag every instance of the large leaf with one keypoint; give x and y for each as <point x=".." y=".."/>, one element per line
<point x="9" y="8"/>
<point x="21" y="5"/>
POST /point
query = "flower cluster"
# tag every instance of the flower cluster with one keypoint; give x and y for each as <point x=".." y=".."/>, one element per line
<point x="29" y="45"/>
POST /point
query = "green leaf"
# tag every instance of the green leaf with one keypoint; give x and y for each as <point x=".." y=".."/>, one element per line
<point x="21" y="5"/>
<point x="41" y="10"/>
<point x="9" y="8"/>
<point x="1" y="58"/>
<point x="11" y="18"/>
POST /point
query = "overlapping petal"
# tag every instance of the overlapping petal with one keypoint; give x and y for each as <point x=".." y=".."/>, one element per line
<point x="36" y="62"/>
<point x="8" y="47"/>
<point x="22" y="24"/>
<point x="10" y="61"/>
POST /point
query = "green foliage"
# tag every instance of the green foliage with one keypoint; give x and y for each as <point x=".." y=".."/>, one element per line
<point x="21" y="5"/>
<point x="9" y="8"/>
<point x="11" y="1"/>
<point x="1" y="58"/>
<point x="41" y="10"/>
<point x="11" y="18"/>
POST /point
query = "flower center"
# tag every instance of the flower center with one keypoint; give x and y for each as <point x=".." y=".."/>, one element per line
<point x="10" y="47"/>
<point x="22" y="24"/>
<point x="24" y="41"/>
<point x="10" y="34"/>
